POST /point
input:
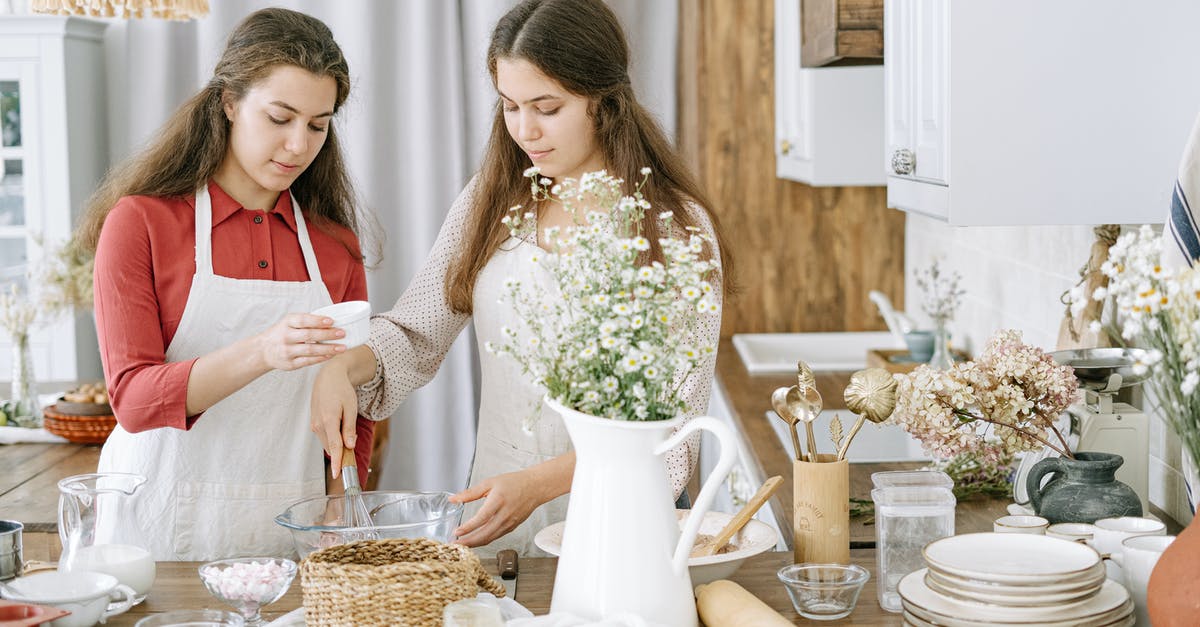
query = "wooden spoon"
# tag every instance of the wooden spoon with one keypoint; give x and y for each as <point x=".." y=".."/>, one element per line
<point x="743" y="516"/>
<point x="780" y="401"/>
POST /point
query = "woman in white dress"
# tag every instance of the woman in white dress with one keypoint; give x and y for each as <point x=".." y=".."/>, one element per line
<point x="566" y="106"/>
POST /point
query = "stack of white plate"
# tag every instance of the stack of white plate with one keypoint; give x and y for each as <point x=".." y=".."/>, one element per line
<point x="1012" y="579"/>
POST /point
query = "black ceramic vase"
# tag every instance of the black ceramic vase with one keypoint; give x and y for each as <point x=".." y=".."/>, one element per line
<point x="1084" y="489"/>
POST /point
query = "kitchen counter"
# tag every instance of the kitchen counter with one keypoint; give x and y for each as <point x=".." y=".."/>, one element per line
<point x="178" y="586"/>
<point x="749" y="399"/>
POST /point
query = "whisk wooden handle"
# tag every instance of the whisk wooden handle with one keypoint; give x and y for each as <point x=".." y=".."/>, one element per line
<point x="348" y="460"/>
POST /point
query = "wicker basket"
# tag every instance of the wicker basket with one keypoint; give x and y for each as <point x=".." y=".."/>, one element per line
<point x="389" y="583"/>
<point x="81" y="429"/>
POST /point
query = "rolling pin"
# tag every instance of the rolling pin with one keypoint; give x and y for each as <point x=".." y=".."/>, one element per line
<point x="723" y="603"/>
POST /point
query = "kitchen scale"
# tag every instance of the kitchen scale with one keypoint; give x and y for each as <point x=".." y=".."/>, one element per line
<point x="1104" y="424"/>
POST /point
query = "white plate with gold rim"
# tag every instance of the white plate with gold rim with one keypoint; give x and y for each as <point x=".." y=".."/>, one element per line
<point x="1118" y="620"/>
<point x="1113" y="600"/>
<point x="1077" y="586"/>
<point x="1031" y="597"/>
<point x="1014" y="558"/>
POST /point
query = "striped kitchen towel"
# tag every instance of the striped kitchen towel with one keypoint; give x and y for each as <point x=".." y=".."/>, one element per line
<point x="1181" y="245"/>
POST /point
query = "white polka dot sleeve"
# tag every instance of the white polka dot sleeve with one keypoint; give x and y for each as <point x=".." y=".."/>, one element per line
<point x="681" y="460"/>
<point x="412" y="339"/>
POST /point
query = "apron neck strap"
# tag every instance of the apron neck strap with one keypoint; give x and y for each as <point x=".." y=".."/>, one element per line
<point x="204" y="236"/>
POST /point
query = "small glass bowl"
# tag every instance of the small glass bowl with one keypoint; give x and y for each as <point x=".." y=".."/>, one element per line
<point x="249" y="583"/>
<point x="192" y="618"/>
<point x="823" y="591"/>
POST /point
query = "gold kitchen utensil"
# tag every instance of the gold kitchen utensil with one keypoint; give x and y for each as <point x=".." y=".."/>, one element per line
<point x="806" y="384"/>
<point x="358" y="517"/>
<point x="872" y="395"/>
<point x="779" y="400"/>
<point x="743" y="516"/>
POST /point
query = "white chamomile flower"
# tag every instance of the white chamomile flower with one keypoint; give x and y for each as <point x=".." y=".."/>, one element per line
<point x="600" y="299"/>
<point x="636" y="322"/>
<point x="641" y="243"/>
<point x="651" y="372"/>
<point x="610" y="384"/>
<point x="691" y="292"/>
<point x="591" y="396"/>
<point x="644" y="171"/>
<point x="532" y="171"/>
<point x="608" y="342"/>
<point x="621" y="309"/>
<point x="645" y="273"/>
<point x="534" y="341"/>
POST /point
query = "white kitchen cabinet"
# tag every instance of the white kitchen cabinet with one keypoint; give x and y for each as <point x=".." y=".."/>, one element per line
<point x="1003" y="112"/>
<point x="829" y="120"/>
<point x="53" y="151"/>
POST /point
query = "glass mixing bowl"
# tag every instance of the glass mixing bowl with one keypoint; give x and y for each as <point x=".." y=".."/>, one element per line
<point x="319" y="522"/>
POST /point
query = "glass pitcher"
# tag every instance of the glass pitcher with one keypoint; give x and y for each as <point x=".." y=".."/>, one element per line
<point x="89" y="509"/>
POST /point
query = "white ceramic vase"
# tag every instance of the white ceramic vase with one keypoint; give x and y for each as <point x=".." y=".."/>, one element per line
<point x="622" y="550"/>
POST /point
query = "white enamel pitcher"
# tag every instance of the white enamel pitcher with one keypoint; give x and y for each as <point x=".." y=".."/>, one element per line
<point x="622" y="550"/>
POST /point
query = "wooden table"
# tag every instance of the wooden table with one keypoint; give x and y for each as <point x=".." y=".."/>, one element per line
<point x="178" y="586"/>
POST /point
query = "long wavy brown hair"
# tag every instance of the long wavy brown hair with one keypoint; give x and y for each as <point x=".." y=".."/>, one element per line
<point x="190" y="146"/>
<point x="580" y="44"/>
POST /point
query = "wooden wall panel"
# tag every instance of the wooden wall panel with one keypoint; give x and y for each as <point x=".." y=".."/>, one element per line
<point x="806" y="257"/>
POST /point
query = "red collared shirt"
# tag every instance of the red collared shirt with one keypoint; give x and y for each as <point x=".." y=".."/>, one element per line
<point x="145" y="261"/>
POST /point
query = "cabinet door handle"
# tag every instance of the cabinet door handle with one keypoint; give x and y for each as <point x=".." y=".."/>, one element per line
<point x="904" y="161"/>
<point x="785" y="146"/>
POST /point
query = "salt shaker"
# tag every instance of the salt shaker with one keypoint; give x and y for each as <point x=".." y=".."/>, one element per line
<point x="906" y="519"/>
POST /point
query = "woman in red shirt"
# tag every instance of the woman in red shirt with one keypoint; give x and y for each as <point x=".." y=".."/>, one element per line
<point x="210" y="245"/>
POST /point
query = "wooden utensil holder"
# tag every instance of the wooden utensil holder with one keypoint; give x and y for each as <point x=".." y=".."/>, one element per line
<point x="821" y="510"/>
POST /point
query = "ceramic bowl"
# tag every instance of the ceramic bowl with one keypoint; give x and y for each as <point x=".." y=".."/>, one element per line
<point x="353" y="317"/>
<point x="317" y="523"/>
<point x="754" y="538"/>
<point x="84" y="594"/>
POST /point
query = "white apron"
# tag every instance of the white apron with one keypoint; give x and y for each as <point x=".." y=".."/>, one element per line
<point x="507" y="396"/>
<point x="213" y="491"/>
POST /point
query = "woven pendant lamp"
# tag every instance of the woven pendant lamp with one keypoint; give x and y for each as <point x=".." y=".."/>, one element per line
<point x="163" y="9"/>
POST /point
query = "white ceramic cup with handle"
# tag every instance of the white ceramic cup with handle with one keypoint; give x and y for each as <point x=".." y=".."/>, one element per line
<point x="1021" y="524"/>
<point x="1110" y="532"/>
<point x="1137" y="558"/>
<point x="84" y="594"/>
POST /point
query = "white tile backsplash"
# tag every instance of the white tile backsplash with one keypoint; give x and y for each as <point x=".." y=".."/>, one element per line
<point x="1014" y="277"/>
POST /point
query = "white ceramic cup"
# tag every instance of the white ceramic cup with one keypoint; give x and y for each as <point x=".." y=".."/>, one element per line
<point x="353" y="317"/>
<point x="1075" y="532"/>
<point x="1137" y="558"/>
<point x="84" y="594"/>
<point x="1110" y="532"/>
<point x="1020" y="524"/>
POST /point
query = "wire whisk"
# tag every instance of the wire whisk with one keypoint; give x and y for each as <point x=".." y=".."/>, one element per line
<point x="359" y="524"/>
